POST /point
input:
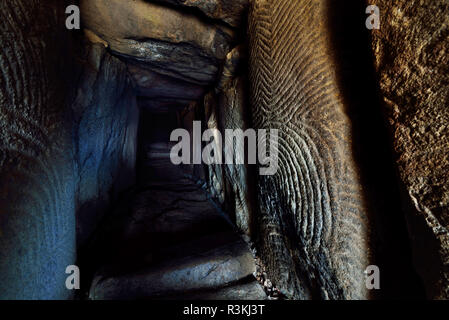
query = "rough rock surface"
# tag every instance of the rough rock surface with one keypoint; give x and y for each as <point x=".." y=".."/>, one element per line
<point x="412" y="59"/>
<point x="161" y="38"/>
<point x="105" y="122"/>
<point x="230" y="11"/>
<point x="228" y="108"/>
<point x="68" y="144"/>
<point x="313" y="222"/>
<point x="37" y="207"/>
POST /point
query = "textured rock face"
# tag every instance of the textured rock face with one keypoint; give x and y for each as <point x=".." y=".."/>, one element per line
<point x="412" y="59"/>
<point x="168" y="41"/>
<point x="68" y="135"/>
<point x="105" y="117"/>
<point x="37" y="205"/>
<point x="228" y="108"/>
<point x="68" y="143"/>
<point x="313" y="223"/>
<point x="230" y="11"/>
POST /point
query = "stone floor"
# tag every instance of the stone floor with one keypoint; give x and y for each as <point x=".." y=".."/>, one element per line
<point x="171" y="242"/>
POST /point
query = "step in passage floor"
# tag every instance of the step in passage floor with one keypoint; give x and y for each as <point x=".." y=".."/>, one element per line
<point x="211" y="262"/>
<point x="173" y="242"/>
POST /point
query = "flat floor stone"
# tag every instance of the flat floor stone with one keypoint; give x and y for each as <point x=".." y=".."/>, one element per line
<point x="207" y="263"/>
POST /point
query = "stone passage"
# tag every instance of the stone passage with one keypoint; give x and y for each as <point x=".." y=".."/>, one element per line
<point x="170" y="241"/>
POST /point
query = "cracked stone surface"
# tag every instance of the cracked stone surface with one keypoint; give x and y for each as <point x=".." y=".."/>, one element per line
<point x="158" y="38"/>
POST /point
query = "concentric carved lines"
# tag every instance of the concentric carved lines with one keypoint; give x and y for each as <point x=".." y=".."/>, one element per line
<point x="317" y="189"/>
<point x="36" y="192"/>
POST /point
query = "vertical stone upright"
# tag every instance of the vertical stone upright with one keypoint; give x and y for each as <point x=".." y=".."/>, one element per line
<point x="314" y="226"/>
<point x="68" y="120"/>
<point x="411" y="51"/>
<point x="37" y="204"/>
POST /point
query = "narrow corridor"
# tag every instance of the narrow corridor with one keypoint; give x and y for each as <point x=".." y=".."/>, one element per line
<point x="172" y="241"/>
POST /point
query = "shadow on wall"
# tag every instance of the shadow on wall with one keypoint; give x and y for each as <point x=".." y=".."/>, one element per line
<point x="373" y="149"/>
<point x="69" y="126"/>
<point x="105" y="117"/>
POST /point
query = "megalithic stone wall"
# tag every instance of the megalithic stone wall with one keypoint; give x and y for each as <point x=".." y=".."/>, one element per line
<point x="314" y="225"/>
<point x="68" y="135"/>
<point x="37" y="203"/>
<point x="411" y="51"/>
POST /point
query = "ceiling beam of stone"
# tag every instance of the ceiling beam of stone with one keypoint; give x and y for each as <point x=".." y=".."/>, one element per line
<point x="156" y="38"/>
<point x="229" y="11"/>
